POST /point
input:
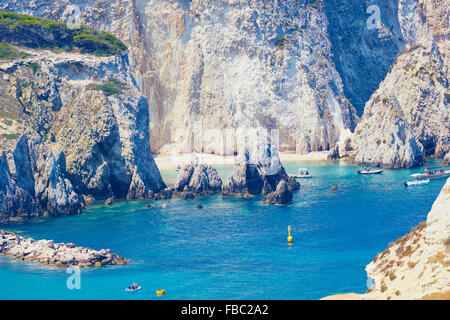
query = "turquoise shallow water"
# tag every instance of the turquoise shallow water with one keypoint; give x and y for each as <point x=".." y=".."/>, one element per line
<point x="233" y="248"/>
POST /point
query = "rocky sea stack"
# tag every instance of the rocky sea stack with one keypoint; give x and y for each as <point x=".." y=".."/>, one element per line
<point x="282" y="195"/>
<point x="260" y="173"/>
<point x="197" y="180"/>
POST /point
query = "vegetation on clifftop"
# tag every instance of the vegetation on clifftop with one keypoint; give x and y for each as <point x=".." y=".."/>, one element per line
<point x="8" y="52"/>
<point x="35" y="32"/>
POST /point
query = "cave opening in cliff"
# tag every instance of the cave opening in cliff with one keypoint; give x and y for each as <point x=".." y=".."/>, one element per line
<point x="429" y="147"/>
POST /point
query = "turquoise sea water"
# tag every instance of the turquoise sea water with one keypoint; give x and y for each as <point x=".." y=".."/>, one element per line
<point x="233" y="248"/>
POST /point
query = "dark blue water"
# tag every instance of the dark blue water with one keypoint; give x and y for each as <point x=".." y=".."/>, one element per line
<point x="233" y="248"/>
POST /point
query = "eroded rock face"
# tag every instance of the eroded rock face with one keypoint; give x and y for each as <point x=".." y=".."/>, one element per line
<point x="198" y="180"/>
<point x="271" y="67"/>
<point x="407" y="118"/>
<point x="416" y="265"/>
<point x="33" y="183"/>
<point x="59" y="254"/>
<point x="256" y="173"/>
<point x="282" y="194"/>
<point x="363" y="55"/>
<point x="334" y="153"/>
<point x="447" y="159"/>
<point x="92" y="143"/>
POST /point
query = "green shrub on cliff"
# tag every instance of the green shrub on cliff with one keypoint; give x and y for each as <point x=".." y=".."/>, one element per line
<point x="8" y="52"/>
<point x="14" y="21"/>
<point x="34" y="66"/>
<point x="99" y="43"/>
<point x="35" y="32"/>
<point x="110" y="87"/>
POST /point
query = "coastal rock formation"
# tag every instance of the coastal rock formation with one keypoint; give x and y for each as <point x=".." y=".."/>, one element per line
<point x="407" y="118"/>
<point x="447" y="159"/>
<point x="282" y="195"/>
<point x="334" y="153"/>
<point x="198" y="180"/>
<point x="72" y="127"/>
<point x="59" y="254"/>
<point x="416" y="265"/>
<point x="257" y="172"/>
<point x="271" y="68"/>
<point x="363" y="49"/>
<point x="33" y="183"/>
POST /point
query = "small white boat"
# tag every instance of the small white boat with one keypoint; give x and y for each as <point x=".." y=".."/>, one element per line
<point x="418" y="180"/>
<point x="369" y="171"/>
<point x="132" y="290"/>
<point x="303" y="173"/>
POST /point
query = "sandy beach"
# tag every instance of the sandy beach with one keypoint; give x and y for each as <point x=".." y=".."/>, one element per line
<point x="344" y="296"/>
<point x="165" y="161"/>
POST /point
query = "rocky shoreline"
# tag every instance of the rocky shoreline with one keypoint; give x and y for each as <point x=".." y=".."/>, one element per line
<point x="47" y="252"/>
<point x="415" y="266"/>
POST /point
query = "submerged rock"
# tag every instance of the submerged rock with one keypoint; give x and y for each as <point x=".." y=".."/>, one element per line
<point x="282" y="194"/>
<point x="58" y="254"/>
<point x="186" y="195"/>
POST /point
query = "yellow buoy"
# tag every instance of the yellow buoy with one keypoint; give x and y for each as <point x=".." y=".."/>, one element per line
<point x="160" y="292"/>
<point x="289" y="238"/>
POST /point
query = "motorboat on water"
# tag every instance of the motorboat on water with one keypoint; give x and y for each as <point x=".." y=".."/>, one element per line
<point x="130" y="289"/>
<point x="433" y="173"/>
<point x="369" y="171"/>
<point x="303" y="173"/>
<point x="417" y="180"/>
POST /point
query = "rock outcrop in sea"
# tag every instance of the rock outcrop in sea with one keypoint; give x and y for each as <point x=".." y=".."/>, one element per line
<point x="73" y="127"/>
<point x="258" y="171"/>
<point x="197" y="179"/>
<point x="58" y="254"/>
<point x="282" y="194"/>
